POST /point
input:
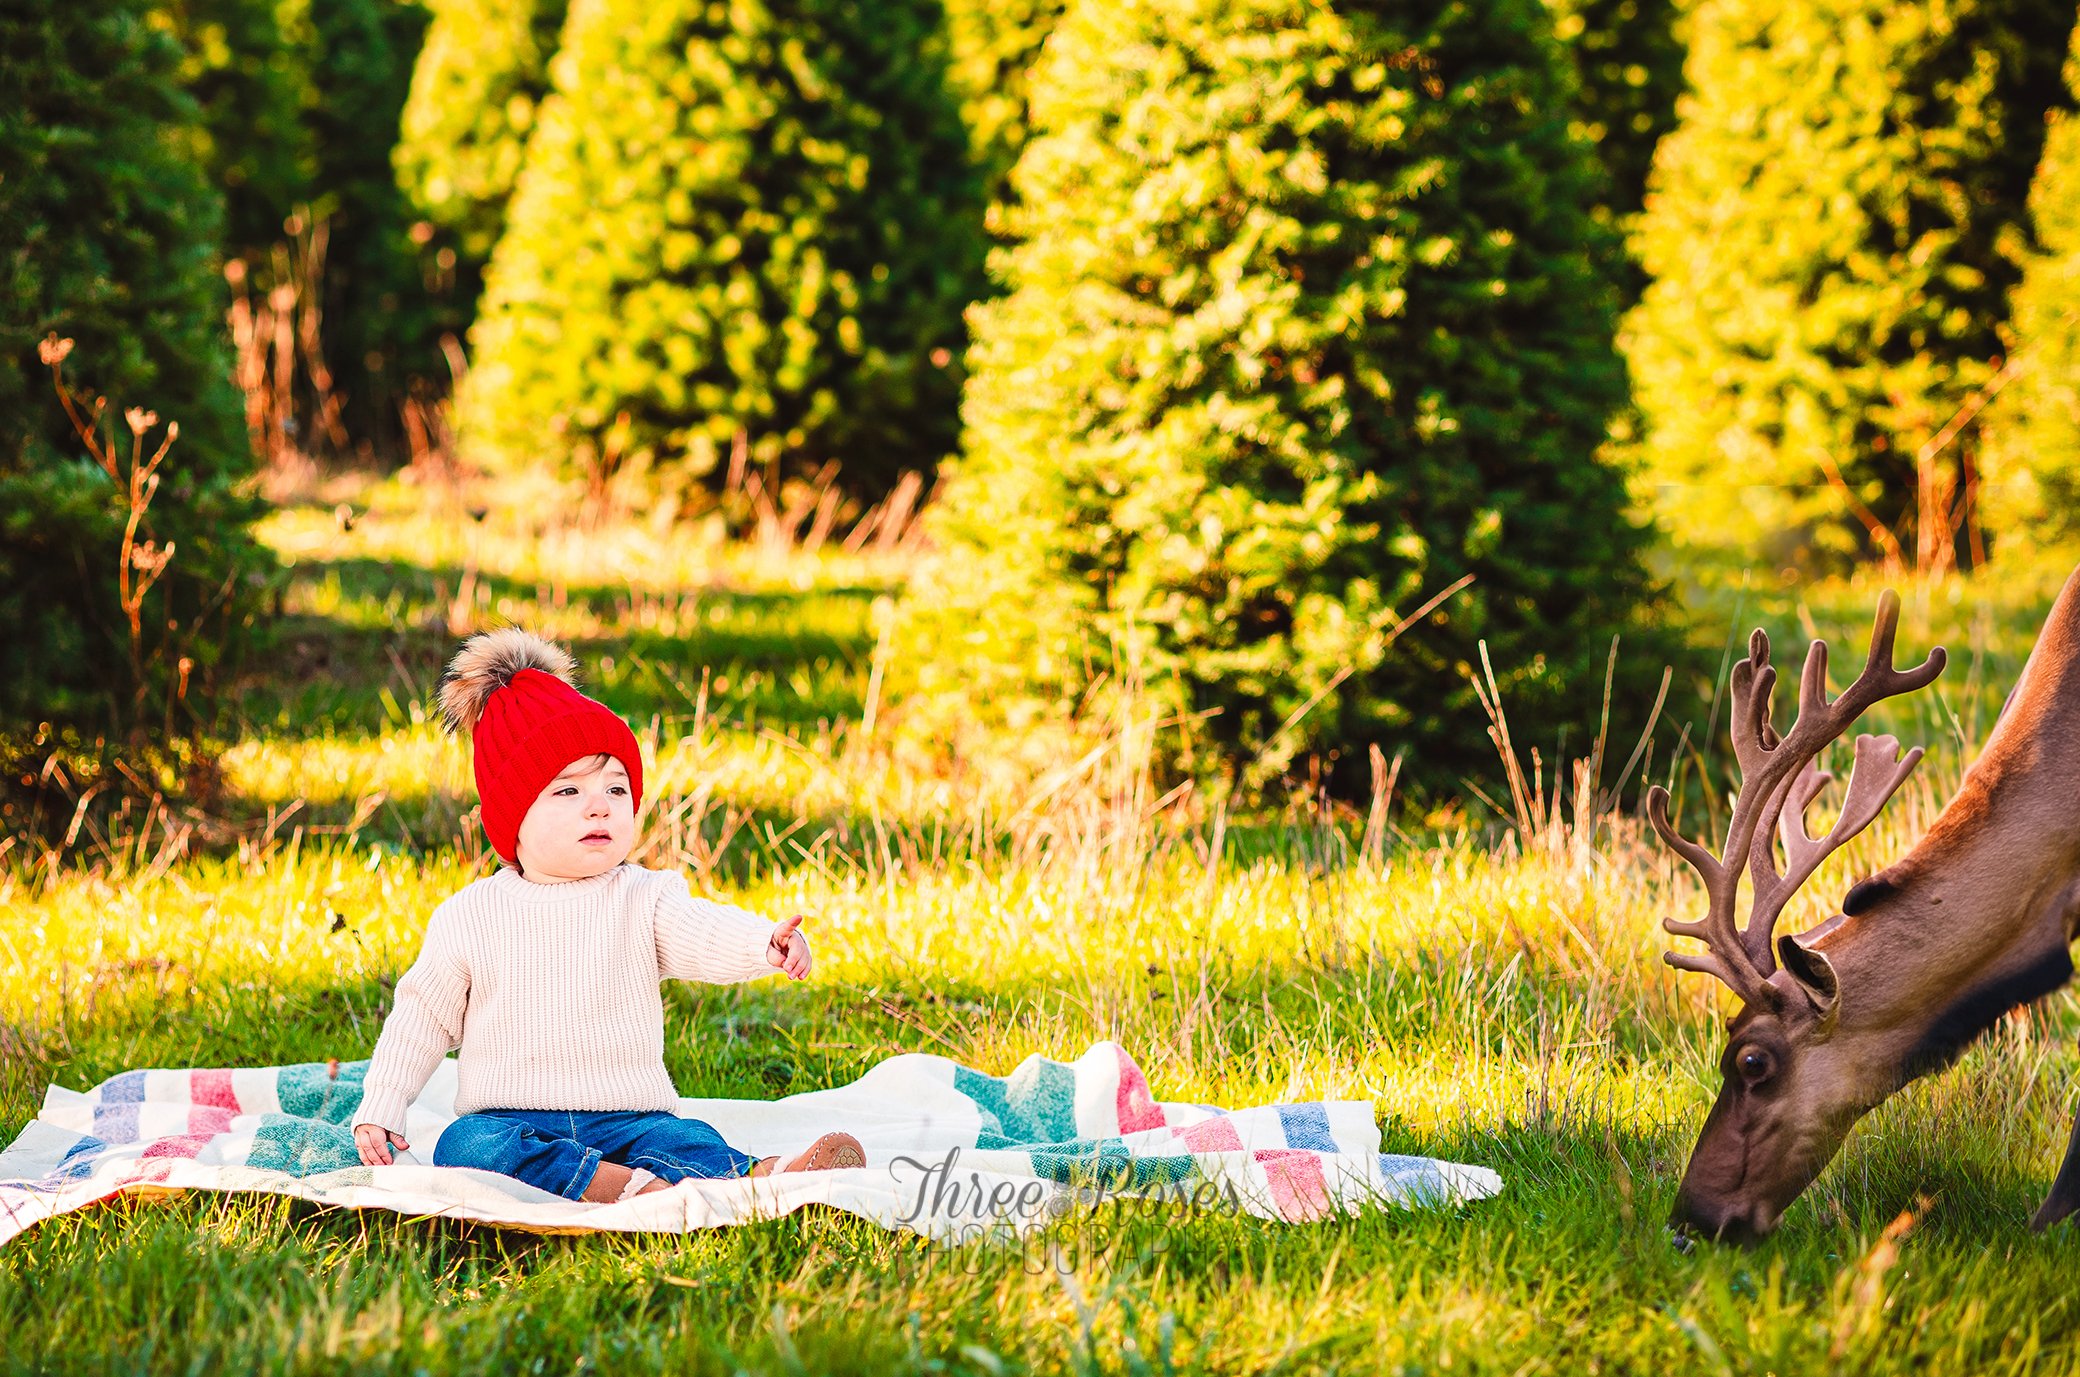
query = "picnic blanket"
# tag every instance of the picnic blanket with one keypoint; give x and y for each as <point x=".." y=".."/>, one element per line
<point x="951" y="1152"/>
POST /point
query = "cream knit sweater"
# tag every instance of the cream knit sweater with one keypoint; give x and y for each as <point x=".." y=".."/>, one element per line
<point x="551" y="992"/>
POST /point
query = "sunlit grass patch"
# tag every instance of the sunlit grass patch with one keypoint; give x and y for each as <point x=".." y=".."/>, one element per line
<point x="1988" y="621"/>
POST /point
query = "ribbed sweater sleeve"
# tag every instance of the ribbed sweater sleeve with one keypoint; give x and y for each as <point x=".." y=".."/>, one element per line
<point x="425" y="1024"/>
<point x="699" y="939"/>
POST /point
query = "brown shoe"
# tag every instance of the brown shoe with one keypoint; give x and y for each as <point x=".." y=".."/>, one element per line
<point x="828" y="1153"/>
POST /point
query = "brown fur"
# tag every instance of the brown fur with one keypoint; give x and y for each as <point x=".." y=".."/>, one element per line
<point x="1925" y="956"/>
<point x="486" y="663"/>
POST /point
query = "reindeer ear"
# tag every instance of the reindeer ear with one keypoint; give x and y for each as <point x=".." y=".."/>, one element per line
<point x="1815" y="976"/>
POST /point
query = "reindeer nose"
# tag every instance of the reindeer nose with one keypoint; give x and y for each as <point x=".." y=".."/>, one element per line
<point x="1713" y="1221"/>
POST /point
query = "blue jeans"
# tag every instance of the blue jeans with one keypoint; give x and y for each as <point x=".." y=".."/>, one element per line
<point x="558" y="1150"/>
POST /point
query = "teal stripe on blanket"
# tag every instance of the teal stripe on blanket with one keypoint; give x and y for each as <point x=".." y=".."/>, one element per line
<point x="308" y="1091"/>
<point x="1107" y="1161"/>
<point x="1034" y="1104"/>
<point x="303" y="1147"/>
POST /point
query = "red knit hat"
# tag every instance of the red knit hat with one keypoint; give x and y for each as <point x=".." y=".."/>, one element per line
<point x="513" y="693"/>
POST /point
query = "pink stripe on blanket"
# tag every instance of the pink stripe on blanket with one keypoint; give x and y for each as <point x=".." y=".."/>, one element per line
<point x="1298" y="1187"/>
<point x="1137" y="1107"/>
<point x="212" y="1088"/>
<point x="185" y="1145"/>
<point x="1212" y="1135"/>
<point x="208" y="1121"/>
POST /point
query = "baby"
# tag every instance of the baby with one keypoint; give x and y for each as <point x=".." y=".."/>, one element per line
<point x="546" y="974"/>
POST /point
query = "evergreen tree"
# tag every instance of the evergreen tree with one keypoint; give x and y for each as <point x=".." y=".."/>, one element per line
<point x="1826" y="239"/>
<point x="381" y="318"/>
<point x="475" y="93"/>
<point x="108" y="237"/>
<point x="1628" y="62"/>
<point x="2032" y="458"/>
<point x="1306" y="329"/>
<point x="300" y="106"/>
<point x="251" y="82"/>
<point x="995" y="44"/>
<point x="754" y="217"/>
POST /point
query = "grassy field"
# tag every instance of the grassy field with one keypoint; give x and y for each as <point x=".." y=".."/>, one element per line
<point x="1495" y="991"/>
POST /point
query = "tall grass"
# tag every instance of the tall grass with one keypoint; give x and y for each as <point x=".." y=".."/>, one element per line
<point x="1493" y="987"/>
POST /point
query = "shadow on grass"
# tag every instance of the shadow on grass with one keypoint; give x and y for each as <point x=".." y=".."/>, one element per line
<point x="779" y="657"/>
<point x="739" y="841"/>
<point x="741" y="844"/>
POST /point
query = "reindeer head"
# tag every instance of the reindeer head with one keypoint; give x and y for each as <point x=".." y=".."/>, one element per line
<point x="1789" y="1092"/>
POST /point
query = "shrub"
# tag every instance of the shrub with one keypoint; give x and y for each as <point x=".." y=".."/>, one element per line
<point x="300" y="105"/>
<point x="475" y="94"/>
<point x="1826" y="241"/>
<point x="381" y="321"/>
<point x="1628" y="64"/>
<point x="1307" y="329"/>
<point x="757" y="217"/>
<point x="2032" y="457"/>
<point x="995" y="44"/>
<point x="108" y="236"/>
<point x="251" y="82"/>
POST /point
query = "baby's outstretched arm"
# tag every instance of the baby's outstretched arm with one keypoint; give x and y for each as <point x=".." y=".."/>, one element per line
<point x="700" y="939"/>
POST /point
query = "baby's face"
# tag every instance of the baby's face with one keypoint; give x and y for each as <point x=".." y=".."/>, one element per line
<point x="581" y="825"/>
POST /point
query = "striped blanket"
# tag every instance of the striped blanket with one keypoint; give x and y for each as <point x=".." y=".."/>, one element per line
<point x="951" y="1152"/>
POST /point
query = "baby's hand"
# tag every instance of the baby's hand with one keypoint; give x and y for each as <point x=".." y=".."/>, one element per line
<point x="789" y="949"/>
<point x="374" y="1141"/>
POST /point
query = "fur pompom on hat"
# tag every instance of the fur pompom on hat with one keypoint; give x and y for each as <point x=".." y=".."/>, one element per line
<point x="488" y="662"/>
<point x="514" y="694"/>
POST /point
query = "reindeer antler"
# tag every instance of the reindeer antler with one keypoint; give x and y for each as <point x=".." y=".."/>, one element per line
<point x="1779" y="779"/>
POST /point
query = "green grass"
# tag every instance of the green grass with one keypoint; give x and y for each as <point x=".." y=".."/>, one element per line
<point x="1500" y="1000"/>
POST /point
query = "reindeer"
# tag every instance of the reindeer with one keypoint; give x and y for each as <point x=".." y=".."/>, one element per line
<point x="1923" y="957"/>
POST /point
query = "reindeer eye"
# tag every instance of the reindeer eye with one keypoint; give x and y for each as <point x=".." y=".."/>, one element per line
<point x="1755" y="1064"/>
